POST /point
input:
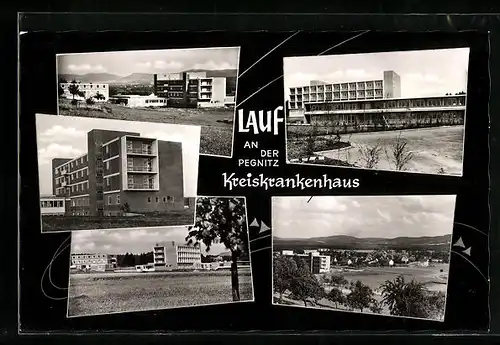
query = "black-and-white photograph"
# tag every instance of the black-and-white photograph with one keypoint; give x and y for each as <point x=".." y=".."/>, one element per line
<point x="153" y="269"/>
<point x="385" y="255"/>
<point x="181" y="86"/>
<point x="396" y="111"/>
<point x="112" y="174"/>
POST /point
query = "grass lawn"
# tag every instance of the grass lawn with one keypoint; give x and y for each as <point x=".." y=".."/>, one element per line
<point x="66" y="223"/>
<point x="217" y="126"/>
<point x="91" y="294"/>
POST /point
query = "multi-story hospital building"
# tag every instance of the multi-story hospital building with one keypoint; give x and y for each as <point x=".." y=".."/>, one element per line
<point x="371" y="105"/>
<point x="120" y="168"/>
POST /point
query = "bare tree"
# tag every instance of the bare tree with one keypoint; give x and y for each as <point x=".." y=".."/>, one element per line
<point x="400" y="155"/>
<point x="370" y="156"/>
<point x="310" y="140"/>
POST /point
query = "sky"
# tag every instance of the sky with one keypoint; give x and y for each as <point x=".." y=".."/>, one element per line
<point x="363" y="216"/>
<point x="423" y="72"/>
<point x="66" y="137"/>
<point x="125" y="63"/>
<point x="131" y="241"/>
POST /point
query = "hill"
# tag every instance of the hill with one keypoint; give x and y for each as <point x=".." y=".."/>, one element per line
<point x="350" y="242"/>
<point x="136" y="78"/>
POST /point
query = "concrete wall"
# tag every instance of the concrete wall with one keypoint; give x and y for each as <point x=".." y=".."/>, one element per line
<point x="392" y="85"/>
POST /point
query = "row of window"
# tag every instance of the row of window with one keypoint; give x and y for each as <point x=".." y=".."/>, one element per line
<point x="336" y="95"/>
<point x="84" y="201"/>
<point x="88" y="256"/>
<point x="389" y="104"/>
<point x="166" y="199"/>
<point x="76" y="175"/>
<point x="116" y="201"/>
<point x="341" y="119"/>
<point x="85" y="86"/>
<point x="162" y="100"/>
<point x="89" y="261"/>
<point x="336" y="87"/>
<point x="74" y="163"/>
<point x="51" y="203"/>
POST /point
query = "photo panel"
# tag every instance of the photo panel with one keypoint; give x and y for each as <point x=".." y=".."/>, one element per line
<point x="379" y="111"/>
<point x="384" y="255"/>
<point x="181" y="86"/>
<point x="102" y="174"/>
<point x="164" y="268"/>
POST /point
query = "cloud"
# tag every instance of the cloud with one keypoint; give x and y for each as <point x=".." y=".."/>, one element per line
<point x="84" y="247"/>
<point x="302" y="79"/>
<point x="61" y="134"/>
<point x="168" y="65"/>
<point x="86" y="68"/>
<point x="407" y="220"/>
<point x="212" y="65"/>
<point x="45" y="155"/>
<point x="385" y="216"/>
<point x="422" y="78"/>
<point x="328" y="204"/>
<point x="146" y="64"/>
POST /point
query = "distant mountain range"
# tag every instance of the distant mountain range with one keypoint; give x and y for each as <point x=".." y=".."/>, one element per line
<point x="350" y="242"/>
<point x="137" y="78"/>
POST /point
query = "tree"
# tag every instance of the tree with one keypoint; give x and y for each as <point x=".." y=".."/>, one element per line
<point x="336" y="296"/>
<point x="400" y="155"/>
<point x="99" y="96"/>
<point x="284" y="270"/>
<point x="360" y="297"/>
<point x="125" y="207"/>
<point x="60" y="90"/>
<point x="370" y="156"/>
<point x="90" y="101"/>
<point x="224" y="220"/>
<point x="435" y="305"/>
<point x="335" y="280"/>
<point x="404" y="299"/>
<point x="74" y="89"/>
<point x="375" y="307"/>
<point x="305" y="286"/>
<point x="310" y="141"/>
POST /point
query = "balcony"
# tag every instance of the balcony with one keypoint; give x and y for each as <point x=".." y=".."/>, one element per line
<point x="140" y="169"/>
<point x="140" y="186"/>
<point x="140" y="151"/>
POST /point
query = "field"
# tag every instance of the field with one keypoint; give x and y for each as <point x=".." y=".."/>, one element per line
<point x="91" y="294"/>
<point x="374" y="276"/>
<point x="435" y="150"/>
<point x="217" y="126"/>
<point x="66" y="223"/>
